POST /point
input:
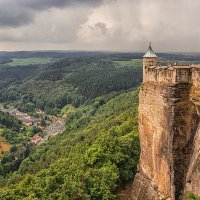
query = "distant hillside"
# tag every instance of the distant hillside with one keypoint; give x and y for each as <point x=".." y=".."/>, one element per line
<point x="5" y="56"/>
<point x="69" y="81"/>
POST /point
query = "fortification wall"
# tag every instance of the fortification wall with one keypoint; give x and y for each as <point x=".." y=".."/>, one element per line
<point x="173" y="74"/>
<point x="169" y="74"/>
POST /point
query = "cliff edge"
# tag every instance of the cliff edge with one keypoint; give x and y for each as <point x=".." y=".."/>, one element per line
<point x="169" y="115"/>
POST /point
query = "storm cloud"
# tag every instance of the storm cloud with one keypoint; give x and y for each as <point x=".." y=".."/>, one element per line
<point x="116" y="25"/>
<point x="14" y="13"/>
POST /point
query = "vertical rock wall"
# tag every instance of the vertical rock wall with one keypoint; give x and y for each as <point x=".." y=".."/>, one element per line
<point x="166" y="127"/>
<point x="153" y="180"/>
<point x="192" y="184"/>
<point x="193" y="175"/>
<point x="183" y="128"/>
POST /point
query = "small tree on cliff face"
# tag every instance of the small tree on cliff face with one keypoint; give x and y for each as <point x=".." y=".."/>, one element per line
<point x="193" y="197"/>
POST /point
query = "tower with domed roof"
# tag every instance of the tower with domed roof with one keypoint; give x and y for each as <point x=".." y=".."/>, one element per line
<point x="149" y="59"/>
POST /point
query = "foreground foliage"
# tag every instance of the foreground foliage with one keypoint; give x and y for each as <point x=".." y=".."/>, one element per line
<point x="96" y="155"/>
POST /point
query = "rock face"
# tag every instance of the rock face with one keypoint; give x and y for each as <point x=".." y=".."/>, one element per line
<point x="169" y="115"/>
<point x="167" y="123"/>
<point x="193" y="173"/>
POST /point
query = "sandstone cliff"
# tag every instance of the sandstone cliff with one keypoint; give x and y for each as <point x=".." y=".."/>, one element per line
<point x="193" y="173"/>
<point x="170" y="140"/>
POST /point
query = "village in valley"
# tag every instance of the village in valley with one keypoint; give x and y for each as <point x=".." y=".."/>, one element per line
<point x="50" y="127"/>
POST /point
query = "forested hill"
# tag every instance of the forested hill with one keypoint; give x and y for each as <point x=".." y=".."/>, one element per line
<point x="9" y="121"/>
<point x="96" y="155"/>
<point x="68" y="81"/>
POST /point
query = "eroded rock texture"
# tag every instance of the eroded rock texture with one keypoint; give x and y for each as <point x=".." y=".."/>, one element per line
<point x="170" y="142"/>
<point x="193" y="174"/>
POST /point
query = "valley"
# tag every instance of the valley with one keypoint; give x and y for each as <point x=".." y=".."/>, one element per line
<point x="53" y="127"/>
<point x="69" y="128"/>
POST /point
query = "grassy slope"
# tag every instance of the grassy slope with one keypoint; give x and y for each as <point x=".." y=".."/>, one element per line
<point x="130" y="63"/>
<point x="98" y="153"/>
<point x="30" y="61"/>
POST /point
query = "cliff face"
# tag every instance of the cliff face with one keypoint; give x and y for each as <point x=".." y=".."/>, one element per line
<point x="193" y="173"/>
<point x="170" y="141"/>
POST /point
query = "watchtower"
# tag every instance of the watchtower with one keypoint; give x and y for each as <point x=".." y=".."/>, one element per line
<point x="149" y="60"/>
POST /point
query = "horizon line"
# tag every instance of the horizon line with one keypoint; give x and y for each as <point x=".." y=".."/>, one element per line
<point x="99" y="51"/>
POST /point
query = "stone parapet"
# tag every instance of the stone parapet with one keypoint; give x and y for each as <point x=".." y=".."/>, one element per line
<point x="172" y="74"/>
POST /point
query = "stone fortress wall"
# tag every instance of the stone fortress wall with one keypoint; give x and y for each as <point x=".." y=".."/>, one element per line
<point x="172" y="74"/>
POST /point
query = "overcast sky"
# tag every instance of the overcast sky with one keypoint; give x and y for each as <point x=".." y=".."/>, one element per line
<point x="116" y="25"/>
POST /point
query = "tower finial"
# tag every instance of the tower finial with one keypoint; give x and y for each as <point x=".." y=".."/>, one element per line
<point x="150" y="53"/>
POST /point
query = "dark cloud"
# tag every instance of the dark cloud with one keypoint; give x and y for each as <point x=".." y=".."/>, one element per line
<point x="101" y="26"/>
<point x="22" y="12"/>
<point x="45" y="4"/>
<point x="15" y="17"/>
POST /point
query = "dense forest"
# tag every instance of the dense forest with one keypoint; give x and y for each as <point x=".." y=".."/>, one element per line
<point x="9" y="121"/>
<point x="68" y="81"/>
<point x="97" y="155"/>
<point x="98" y="152"/>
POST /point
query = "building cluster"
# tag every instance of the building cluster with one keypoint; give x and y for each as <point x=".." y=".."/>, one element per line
<point x="24" y="117"/>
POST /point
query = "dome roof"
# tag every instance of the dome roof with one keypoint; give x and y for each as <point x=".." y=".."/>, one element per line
<point x="150" y="53"/>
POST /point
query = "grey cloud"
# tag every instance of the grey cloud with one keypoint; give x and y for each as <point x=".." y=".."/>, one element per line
<point x="56" y="27"/>
<point x="15" y="18"/>
<point x="170" y="25"/>
<point x="22" y="12"/>
<point x="45" y="4"/>
<point x="101" y="26"/>
<point x="115" y="25"/>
